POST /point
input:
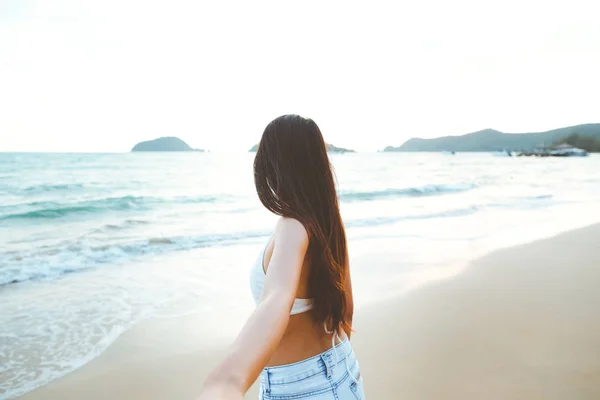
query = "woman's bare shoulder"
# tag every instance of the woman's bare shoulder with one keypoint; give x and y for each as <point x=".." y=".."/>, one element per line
<point x="291" y="232"/>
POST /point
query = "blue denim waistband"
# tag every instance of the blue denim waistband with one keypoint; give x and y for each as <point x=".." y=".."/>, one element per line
<point x="327" y="362"/>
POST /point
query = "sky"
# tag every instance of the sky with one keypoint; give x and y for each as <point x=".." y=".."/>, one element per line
<point x="100" y="76"/>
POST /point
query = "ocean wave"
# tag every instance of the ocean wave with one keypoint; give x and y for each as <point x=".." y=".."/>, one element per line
<point x="418" y="191"/>
<point x="526" y="202"/>
<point x="52" y="209"/>
<point x="125" y="224"/>
<point x="49" y="210"/>
<point x="160" y="240"/>
<point x="52" y="188"/>
<point x="53" y="262"/>
<point x="461" y="212"/>
<point x="68" y="257"/>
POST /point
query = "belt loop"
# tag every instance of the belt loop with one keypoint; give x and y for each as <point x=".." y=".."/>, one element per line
<point x="325" y="359"/>
<point x="267" y="382"/>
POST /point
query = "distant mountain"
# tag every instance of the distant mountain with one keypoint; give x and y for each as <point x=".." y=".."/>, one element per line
<point x="333" y="149"/>
<point x="330" y="148"/>
<point x="492" y="140"/>
<point x="163" y="144"/>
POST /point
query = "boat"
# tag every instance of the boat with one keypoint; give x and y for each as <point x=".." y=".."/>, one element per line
<point x="562" y="150"/>
<point x="566" y="150"/>
<point x="502" y="153"/>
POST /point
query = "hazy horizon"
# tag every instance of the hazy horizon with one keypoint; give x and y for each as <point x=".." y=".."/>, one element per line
<point x="247" y="150"/>
<point x="85" y="76"/>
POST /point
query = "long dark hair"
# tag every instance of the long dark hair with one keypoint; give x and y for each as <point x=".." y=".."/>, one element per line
<point x="294" y="178"/>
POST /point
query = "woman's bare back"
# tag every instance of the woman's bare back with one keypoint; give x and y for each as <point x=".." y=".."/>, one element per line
<point x="304" y="337"/>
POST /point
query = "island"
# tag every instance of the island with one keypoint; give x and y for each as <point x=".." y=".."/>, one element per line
<point x="164" y="144"/>
<point x="330" y="148"/>
<point x="492" y="140"/>
<point x="334" y="149"/>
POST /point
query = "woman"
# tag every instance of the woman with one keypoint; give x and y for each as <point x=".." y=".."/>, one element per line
<point x="297" y="339"/>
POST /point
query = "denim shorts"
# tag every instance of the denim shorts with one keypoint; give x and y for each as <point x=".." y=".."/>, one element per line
<point x="322" y="377"/>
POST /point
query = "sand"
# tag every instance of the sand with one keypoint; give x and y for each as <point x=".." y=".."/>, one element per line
<point x="520" y="323"/>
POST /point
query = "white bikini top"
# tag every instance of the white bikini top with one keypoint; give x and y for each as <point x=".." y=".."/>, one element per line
<point x="257" y="283"/>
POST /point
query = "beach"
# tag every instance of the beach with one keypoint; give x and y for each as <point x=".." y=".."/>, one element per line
<point x="149" y="149"/>
<point x="519" y="323"/>
<point x="95" y="263"/>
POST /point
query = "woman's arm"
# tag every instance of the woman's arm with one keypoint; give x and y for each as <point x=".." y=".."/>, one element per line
<point x="264" y="329"/>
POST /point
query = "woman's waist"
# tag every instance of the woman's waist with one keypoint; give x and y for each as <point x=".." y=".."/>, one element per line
<point x="329" y="365"/>
<point x="304" y="338"/>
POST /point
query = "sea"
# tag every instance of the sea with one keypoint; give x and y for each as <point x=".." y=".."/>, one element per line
<point x="91" y="244"/>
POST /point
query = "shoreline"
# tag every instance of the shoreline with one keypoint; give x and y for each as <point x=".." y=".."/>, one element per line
<point x="164" y="358"/>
